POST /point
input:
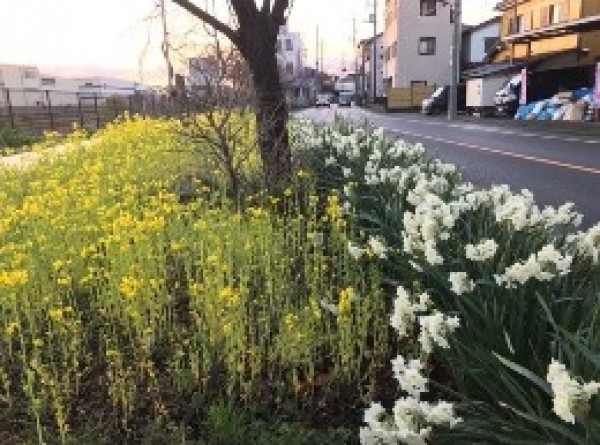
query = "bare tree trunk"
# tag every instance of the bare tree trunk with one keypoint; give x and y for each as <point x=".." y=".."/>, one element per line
<point x="257" y="45"/>
<point x="271" y="122"/>
<point x="255" y="38"/>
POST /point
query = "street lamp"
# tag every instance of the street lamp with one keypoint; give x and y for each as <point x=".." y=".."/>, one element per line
<point x="456" y="14"/>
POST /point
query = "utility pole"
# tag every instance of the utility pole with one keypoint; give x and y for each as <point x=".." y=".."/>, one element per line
<point x="322" y="57"/>
<point x="355" y="60"/>
<point x="317" y="51"/>
<point x="165" y="45"/>
<point x="374" y="51"/>
<point x="455" y="60"/>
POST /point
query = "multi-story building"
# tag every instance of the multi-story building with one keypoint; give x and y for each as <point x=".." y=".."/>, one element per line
<point x="20" y="85"/>
<point x="417" y="39"/>
<point x="372" y="68"/>
<point x="557" y="41"/>
<point x="533" y="28"/>
<point x="300" y="84"/>
<point x="290" y="53"/>
<point x="479" y="41"/>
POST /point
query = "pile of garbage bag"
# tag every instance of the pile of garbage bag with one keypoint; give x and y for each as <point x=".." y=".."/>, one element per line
<point x="569" y="106"/>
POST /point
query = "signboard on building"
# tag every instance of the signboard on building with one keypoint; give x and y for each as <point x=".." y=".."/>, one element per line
<point x="597" y="88"/>
<point x="523" y="98"/>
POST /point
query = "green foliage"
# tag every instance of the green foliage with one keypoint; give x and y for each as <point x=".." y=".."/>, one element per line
<point x="13" y="140"/>
<point x="226" y="427"/>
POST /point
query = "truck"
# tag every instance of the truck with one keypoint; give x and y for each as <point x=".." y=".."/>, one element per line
<point x="481" y="93"/>
<point x="437" y="103"/>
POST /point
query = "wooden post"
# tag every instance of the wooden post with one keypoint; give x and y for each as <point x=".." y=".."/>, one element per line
<point x="96" y="110"/>
<point x="50" y="114"/>
<point x="11" y="114"/>
<point x="80" y="111"/>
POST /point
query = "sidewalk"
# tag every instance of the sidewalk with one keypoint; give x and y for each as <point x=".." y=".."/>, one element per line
<point x="590" y="129"/>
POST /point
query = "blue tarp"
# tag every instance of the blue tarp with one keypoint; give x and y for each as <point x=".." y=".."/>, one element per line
<point x="550" y="109"/>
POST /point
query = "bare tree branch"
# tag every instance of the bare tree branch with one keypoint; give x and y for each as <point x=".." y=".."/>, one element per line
<point x="245" y="10"/>
<point x="266" y="8"/>
<point x="206" y="17"/>
<point x="279" y="9"/>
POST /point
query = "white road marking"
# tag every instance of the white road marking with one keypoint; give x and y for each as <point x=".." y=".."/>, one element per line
<point x="511" y="154"/>
<point x="485" y="128"/>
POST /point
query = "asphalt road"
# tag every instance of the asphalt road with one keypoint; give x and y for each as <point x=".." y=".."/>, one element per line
<point x="556" y="167"/>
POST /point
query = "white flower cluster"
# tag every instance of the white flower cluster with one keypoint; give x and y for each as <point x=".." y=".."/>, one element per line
<point x="378" y="248"/>
<point x="435" y="329"/>
<point x="461" y="283"/>
<point x="483" y="251"/>
<point x="412" y="420"/>
<point x="431" y="222"/>
<point x="545" y="265"/>
<point x="409" y="374"/>
<point x="571" y="398"/>
<point x="440" y="212"/>
<point x="404" y="315"/>
<point x="588" y="243"/>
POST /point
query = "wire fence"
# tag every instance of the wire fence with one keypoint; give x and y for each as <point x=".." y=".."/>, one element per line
<point x="35" y="111"/>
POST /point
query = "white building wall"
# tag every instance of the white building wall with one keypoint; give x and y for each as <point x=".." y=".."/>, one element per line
<point x="390" y="41"/>
<point x="407" y="27"/>
<point x="62" y="91"/>
<point x="477" y="41"/>
<point x="290" y="53"/>
<point x="22" y="84"/>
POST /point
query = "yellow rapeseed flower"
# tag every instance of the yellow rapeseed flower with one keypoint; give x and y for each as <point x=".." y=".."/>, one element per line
<point x="345" y="301"/>
<point x="13" y="278"/>
<point x="129" y="287"/>
<point x="11" y="328"/>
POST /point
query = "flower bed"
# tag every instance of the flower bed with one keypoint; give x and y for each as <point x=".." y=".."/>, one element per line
<point x="133" y="297"/>
<point x="493" y="294"/>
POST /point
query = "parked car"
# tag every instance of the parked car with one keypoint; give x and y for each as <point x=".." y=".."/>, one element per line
<point x="506" y="99"/>
<point x="345" y="100"/>
<point x="323" y="100"/>
<point x="438" y="102"/>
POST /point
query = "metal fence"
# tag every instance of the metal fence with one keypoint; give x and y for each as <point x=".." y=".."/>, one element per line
<point x="35" y="111"/>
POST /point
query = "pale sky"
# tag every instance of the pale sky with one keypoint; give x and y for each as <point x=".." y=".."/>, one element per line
<point x="122" y="37"/>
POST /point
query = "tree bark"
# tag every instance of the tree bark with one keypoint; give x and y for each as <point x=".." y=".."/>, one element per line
<point x="257" y="45"/>
<point x="271" y="124"/>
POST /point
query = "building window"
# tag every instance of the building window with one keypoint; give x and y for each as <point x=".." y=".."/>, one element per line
<point x="288" y="45"/>
<point x="29" y="74"/>
<point x="289" y="68"/>
<point x="428" y="7"/>
<point x="554" y="14"/>
<point x="427" y="46"/>
<point x="520" y="24"/>
<point x="489" y="43"/>
<point x="48" y="81"/>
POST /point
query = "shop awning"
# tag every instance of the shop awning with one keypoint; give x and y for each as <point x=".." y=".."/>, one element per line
<point x="496" y="68"/>
<point x="559" y="59"/>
